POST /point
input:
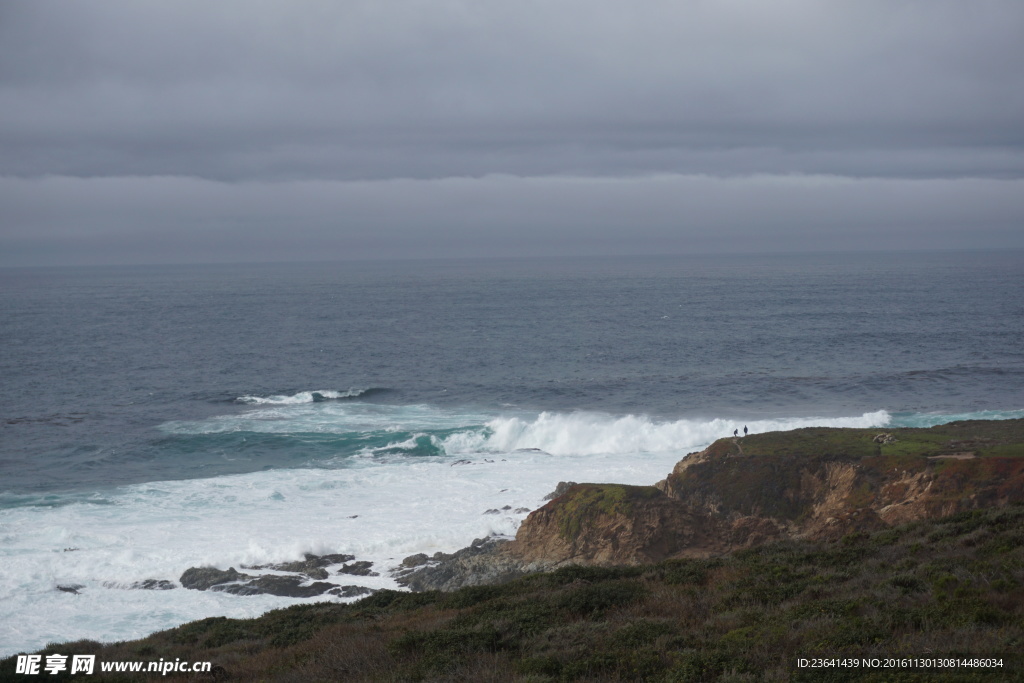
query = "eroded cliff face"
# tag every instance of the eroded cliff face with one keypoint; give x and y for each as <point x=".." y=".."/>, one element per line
<point x="811" y="483"/>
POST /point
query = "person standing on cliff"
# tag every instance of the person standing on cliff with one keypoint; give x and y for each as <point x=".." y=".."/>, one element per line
<point x="735" y="432"/>
<point x="744" y="430"/>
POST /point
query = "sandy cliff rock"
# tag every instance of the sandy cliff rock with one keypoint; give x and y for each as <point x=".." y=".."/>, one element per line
<point x="808" y="483"/>
<point x="817" y="484"/>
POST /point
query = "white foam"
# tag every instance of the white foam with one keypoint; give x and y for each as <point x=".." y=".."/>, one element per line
<point x="579" y="433"/>
<point x="378" y="509"/>
<point x="330" y="418"/>
<point x="381" y="512"/>
<point x="301" y="397"/>
<point x="592" y="433"/>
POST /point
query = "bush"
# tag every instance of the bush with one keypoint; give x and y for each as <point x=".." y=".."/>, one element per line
<point x="593" y="601"/>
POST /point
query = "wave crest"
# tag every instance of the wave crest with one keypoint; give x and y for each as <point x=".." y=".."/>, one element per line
<point x="303" y="397"/>
<point x="589" y="434"/>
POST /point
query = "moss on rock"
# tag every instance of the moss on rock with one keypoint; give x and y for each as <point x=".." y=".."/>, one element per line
<point x="584" y="502"/>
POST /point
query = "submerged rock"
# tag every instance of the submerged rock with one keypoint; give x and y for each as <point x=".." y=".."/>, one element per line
<point x="351" y="591"/>
<point x="72" y="588"/>
<point x="319" y="573"/>
<point x="309" y="565"/>
<point x="361" y="568"/>
<point x="295" y="586"/>
<point x="153" y="585"/>
<point x="286" y="586"/>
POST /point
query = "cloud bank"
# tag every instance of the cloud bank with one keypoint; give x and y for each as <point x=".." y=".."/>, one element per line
<point x="185" y="131"/>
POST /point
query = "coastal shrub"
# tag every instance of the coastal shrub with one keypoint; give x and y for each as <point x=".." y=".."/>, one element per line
<point x="547" y="666"/>
<point x="843" y="556"/>
<point x="885" y="537"/>
<point x="678" y="572"/>
<point x="277" y="628"/>
<point x="700" y="665"/>
<point x="643" y="632"/>
<point x="769" y="585"/>
<point x="444" y="650"/>
<point x="1002" y="544"/>
<point x="825" y="608"/>
<point x="907" y="563"/>
<point x="579" y="572"/>
<point x="593" y="601"/>
<point x="853" y="632"/>
<point x="297" y="623"/>
<point x="514" y="619"/>
<point x="472" y="595"/>
<point x="214" y="632"/>
<point x="907" y="583"/>
<point x="623" y="665"/>
<point x="398" y="600"/>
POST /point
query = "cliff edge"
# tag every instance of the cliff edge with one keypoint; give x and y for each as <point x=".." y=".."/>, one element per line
<point x="815" y="483"/>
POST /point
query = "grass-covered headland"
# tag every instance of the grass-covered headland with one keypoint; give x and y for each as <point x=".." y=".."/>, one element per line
<point x="926" y="589"/>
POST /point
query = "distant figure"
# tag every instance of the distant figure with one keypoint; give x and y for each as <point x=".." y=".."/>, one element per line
<point x="744" y="430"/>
<point x="735" y="432"/>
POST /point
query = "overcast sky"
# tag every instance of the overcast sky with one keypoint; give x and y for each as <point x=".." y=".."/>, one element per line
<point x="247" y="130"/>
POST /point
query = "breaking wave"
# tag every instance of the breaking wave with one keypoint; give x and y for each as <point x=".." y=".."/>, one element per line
<point x="587" y="433"/>
<point x="303" y="397"/>
<point x="307" y="433"/>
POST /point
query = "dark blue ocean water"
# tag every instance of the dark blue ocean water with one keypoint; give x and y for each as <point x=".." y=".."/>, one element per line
<point x="94" y="361"/>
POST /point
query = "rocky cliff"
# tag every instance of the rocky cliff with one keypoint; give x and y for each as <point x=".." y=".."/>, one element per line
<point x="816" y="484"/>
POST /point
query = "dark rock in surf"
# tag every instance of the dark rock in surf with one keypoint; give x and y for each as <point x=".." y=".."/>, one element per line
<point x="73" y="588"/>
<point x="285" y="586"/>
<point x="312" y="565"/>
<point x="483" y="562"/>
<point x="351" y="591"/>
<point x="417" y="560"/>
<point x="361" y="568"/>
<point x="318" y="574"/>
<point x="204" y="578"/>
<point x="153" y="585"/>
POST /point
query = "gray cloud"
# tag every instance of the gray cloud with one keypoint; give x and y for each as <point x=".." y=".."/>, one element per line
<point x="116" y="115"/>
<point x="451" y="87"/>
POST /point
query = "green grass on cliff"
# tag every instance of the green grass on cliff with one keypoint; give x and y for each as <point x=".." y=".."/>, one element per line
<point x="954" y="585"/>
<point x="585" y="501"/>
<point x="984" y="438"/>
<point x="764" y="474"/>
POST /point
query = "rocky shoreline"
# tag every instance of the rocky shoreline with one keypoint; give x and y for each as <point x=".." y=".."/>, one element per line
<point x="300" y="579"/>
<point x="806" y="484"/>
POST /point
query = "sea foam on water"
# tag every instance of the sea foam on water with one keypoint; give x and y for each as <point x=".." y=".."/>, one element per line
<point x="380" y="505"/>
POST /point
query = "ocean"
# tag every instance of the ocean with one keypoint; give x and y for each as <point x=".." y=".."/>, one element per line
<point x="154" y="419"/>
